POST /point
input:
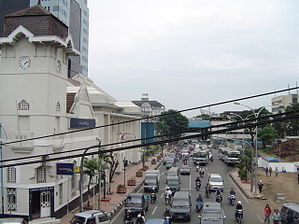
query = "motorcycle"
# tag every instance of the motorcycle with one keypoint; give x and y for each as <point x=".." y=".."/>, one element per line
<point x="201" y="173"/>
<point x="197" y="168"/>
<point x="199" y="206"/>
<point x="232" y="200"/>
<point x="218" y="198"/>
<point x="128" y="222"/>
<point x="167" y="199"/>
<point x="167" y="219"/>
<point x="239" y="216"/>
<point x="153" y="198"/>
<point x="198" y="185"/>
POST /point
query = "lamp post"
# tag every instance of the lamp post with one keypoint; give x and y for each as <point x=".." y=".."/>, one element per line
<point x="256" y="115"/>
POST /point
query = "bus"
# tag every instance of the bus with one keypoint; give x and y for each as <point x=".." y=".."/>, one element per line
<point x="200" y="157"/>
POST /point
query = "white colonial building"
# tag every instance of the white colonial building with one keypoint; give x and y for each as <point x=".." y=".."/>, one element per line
<point x="38" y="99"/>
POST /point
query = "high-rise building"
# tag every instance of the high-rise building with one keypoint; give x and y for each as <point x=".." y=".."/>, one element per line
<point x="73" y="13"/>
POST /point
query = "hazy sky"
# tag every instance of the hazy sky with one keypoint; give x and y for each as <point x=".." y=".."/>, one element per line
<point x="187" y="53"/>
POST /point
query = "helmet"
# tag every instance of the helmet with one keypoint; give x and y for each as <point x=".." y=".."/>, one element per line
<point x="139" y="215"/>
<point x="167" y="188"/>
<point x="239" y="202"/>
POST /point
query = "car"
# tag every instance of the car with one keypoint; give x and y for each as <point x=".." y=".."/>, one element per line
<point x="292" y="208"/>
<point x="91" y="216"/>
<point x="136" y="203"/>
<point x="155" y="221"/>
<point x="216" y="182"/>
<point x="181" y="206"/>
<point x="12" y="221"/>
<point x="185" y="169"/>
<point x="212" y="213"/>
<point x="173" y="183"/>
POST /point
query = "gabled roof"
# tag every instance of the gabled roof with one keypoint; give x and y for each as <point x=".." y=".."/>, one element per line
<point x="153" y="103"/>
<point x="21" y="31"/>
<point x="36" y="10"/>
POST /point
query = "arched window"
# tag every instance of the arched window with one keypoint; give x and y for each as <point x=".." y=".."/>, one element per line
<point x="58" y="106"/>
<point x="23" y="105"/>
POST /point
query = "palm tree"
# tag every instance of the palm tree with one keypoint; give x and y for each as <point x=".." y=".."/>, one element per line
<point x="92" y="168"/>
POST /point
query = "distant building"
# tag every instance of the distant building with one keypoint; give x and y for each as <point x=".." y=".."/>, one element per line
<point x="149" y="108"/>
<point x="73" y="13"/>
<point x="279" y="103"/>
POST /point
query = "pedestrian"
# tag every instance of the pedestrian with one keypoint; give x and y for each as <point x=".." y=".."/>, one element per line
<point x="266" y="171"/>
<point x="260" y="185"/>
<point x="276" y="216"/>
<point x="298" y="178"/>
<point x="267" y="212"/>
<point x="276" y="171"/>
<point x="270" y="171"/>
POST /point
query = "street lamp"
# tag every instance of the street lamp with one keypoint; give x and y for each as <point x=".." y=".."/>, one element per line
<point x="256" y="115"/>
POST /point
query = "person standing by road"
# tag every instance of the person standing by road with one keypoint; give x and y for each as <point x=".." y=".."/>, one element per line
<point x="267" y="212"/>
<point x="270" y="171"/>
<point x="276" y="171"/>
<point x="276" y="216"/>
<point x="266" y="171"/>
<point x="260" y="186"/>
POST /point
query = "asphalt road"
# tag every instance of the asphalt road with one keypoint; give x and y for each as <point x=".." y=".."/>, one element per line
<point x="188" y="184"/>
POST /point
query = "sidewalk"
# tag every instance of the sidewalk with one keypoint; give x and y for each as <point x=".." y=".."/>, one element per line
<point x="116" y="199"/>
<point x="245" y="186"/>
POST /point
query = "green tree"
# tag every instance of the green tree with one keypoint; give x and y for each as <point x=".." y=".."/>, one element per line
<point x="173" y="122"/>
<point x="92" y="166"/>
<point x="293" y="124"/>
<point x="267" y="134"/>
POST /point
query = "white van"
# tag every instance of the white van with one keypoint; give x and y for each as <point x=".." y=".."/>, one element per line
<point x="216" y="182"/>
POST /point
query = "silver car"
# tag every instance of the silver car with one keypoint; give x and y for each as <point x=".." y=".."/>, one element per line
<point x="212" y="213"/>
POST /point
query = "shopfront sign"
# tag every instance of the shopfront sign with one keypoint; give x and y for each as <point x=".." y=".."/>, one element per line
<point x="64" y="168"/>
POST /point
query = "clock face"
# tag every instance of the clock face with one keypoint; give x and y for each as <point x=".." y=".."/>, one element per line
<point x="58" y="66"/>
<point x="24" y="62"/>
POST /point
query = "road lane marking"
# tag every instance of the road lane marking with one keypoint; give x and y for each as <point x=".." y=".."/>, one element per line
<point x="190" y="182"/>
<point x="260" y="218"/>
<point x="236" y="187"/>
<point x="115" y="217"/>
<point x="154" y="210"/>
<point x="162" y="195"/>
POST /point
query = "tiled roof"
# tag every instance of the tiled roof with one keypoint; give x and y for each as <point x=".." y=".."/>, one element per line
<point x="153" y="103"/>
<point x="69" y="101"/>
<point x="36" y="10"/>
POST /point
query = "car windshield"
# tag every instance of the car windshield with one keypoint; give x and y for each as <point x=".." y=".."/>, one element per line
<point x="215" y="179"/>
<point x="234" y="155"/>
<point x="185" y="167"/>
<point x="173" y="183"/>
<point x="150" y="182"/>
<point x="180" y="204"/>
<point x="134" y="200"/>
<point x="77" y="220"/>
<point x="211" y="214"/>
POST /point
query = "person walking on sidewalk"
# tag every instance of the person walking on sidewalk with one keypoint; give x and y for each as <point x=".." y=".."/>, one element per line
<point x="260" y="186"/>
<point x="276" y="171"/>
<point x="266" y="171"/>
<point x="267" y="212"/>
<point x="270" y="171"/>
<point x="276" y="216"/>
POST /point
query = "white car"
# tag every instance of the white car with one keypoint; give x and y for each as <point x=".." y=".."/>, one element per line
<point x="216" y="182"/>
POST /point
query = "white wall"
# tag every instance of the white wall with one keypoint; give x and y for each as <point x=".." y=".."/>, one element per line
<point x="291" y="167"/>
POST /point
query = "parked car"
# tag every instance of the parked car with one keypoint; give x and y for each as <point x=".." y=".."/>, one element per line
<point x="212" y="213"/>
<point x="91" y="216"/>
<point x="12" y="221"/>
<point x="185" y="169"/>
<point x="136" y="203"/>
<point x="181" y="206"/>
<point x="293" y="209"/>
<point x="216" y="182"/>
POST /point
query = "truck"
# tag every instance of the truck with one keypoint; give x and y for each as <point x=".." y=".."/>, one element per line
<point x="151" y="180"/>
<point x="200" y="157"/>
<point x="91" y="216"/>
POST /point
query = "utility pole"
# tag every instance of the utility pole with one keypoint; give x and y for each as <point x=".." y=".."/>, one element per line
<point x="1" y="173"/>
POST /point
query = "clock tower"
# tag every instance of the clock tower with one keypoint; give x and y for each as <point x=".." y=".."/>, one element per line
<point x="33" y="82"/>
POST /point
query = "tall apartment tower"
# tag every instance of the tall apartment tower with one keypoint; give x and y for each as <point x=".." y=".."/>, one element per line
<point x="73" y="13"/>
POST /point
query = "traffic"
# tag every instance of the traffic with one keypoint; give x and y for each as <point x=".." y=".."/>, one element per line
<point x="190" y="187"/>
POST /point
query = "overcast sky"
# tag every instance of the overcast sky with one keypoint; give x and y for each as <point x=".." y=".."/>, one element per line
<point x="187" y="53"/>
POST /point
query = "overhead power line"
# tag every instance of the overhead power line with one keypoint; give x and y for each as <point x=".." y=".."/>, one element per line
<point x="293" y="115"/>
<point x="238" y="122"/>
<point x="155" y="116"/>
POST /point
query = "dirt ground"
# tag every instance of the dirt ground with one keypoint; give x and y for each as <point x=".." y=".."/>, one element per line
<point x="285" y="184"/>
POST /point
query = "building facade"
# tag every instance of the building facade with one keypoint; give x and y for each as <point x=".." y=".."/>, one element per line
<point x="73" y="13"/>
<point x="279" y="103"/>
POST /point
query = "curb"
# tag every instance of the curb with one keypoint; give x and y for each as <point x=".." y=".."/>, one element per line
<point x="120" y="205"/>
<point x="240" y="186"/>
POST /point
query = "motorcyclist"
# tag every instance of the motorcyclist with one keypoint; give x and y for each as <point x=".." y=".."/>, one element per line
<point x="218" y="192"/>
<point x="197" y="180"/>
<point x="168" y="191"/>
<point x="199" y="198"/>
<point x="208" y="189"/>
<point x="128" y="217"/>
<point x="140" y="219"/>
<point x="153" y="196"/>
<point x="232" y="192"/>
<point x="239" y="207"/>
<point x="167" y="213"/>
